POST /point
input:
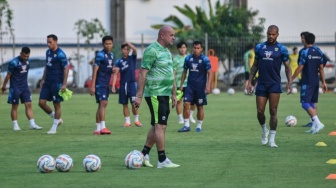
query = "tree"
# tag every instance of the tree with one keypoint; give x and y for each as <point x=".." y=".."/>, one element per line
<point x="6" y="25"/>
<point x="225" y="24"/>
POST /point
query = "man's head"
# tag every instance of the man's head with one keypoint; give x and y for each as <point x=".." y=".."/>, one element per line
<point x="107" y="43"/>
<point x="295" y="50"/>
<point x="182" y="47"/>
<point x="272" y="34"/>
<point x="125" y="50"/>
<point x="25" y="52"/>
<point x="310" y="38"/>
<point x="52" y="42"/>
<point x="302" y="35"/>
<point x="166" y="36"/>
<point x="197" y="48"/>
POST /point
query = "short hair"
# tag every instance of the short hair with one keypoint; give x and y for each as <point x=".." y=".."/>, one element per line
<point x="197" y="43"/>
<point x="25" y="50"/>
<point x="310" y="38"/>
<point x="302" y="34"/>
<point x="123" y="46"/>
<point x="180" y="44"/>
<point x="54" y="37"/>
<point x="107" y="38"/>
<point x="295" y="48"/>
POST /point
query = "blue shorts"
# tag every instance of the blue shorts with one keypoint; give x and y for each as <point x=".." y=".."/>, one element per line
<point x="49" y="92"/>
<point x="264" y="89"/>
<point x="16" y="94"/>
<point x="159" y="109"/>
<point x="309" y="94"/>
<point x="102" y="93"/>
<point x="195" y="96"/>
<point x="127" y="91"/>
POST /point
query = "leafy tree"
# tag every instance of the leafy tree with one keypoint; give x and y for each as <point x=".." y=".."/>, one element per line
<point x="230" y="29"/>
<point x="6" y="25"/>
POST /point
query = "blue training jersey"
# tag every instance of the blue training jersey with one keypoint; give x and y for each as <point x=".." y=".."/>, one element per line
<point x="56" y="63"/>
<point x="19" y="72"/>
<point x="198" y="70"/>
<point x="105" y="63"/>
<point x="270" y="57"/>
<point x="127" y="68"/>
<point x="311" y="58"/>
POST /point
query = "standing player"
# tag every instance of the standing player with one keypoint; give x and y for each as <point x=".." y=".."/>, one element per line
<point x="310" y="64"/>
<point x="178" y="62"/>
<point x="18" y="90"/>
<point x="126" y="66"/>
<point x="156" y="82"/>
<point x="54" y="79"/>
<point x="102" y="70"/>
<point x="268" y="58"/>
<point x="199" y="82"/>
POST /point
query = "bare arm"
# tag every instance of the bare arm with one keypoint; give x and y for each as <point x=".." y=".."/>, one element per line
<point x="94" y="77"/>
<point x="115" y="75"/>
<point x="210" y="74"/>
<point x="3" y="88"/>
<point x="43" y="77"/>
<point x="184" y="75"/>
<point x="297" y="72"/>
<point x="322" y="77"/>
<point x="288" y="71"/>
<point x="134" y="49"/>
<point x="65" y="78"/>
<point x="253" y="72"/>
<point x="141" y="87"/>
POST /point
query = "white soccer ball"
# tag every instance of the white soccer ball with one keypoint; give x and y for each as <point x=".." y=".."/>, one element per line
<point x="320" y="90"/>
<point x="231" y="91"/>
<point x="133" y="160"/>
<point x="137" y="152"/>
<point x="290" y="121"/>
<point x="294" y="90"/>
<point x="64" y="163"/>
<point x="91" y="163"/>
<point x="216" y="91"/>
<point x="46" y="163"/>
<point x="335" y="90"/>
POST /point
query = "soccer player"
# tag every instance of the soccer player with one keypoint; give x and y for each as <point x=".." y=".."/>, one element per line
<point x="268" y="58"/>
<point x="178" y="63"/>
<point x="102" y="70"/>
<point x="199" y="82"/>
<point x="54" y="79"/>
<point x="156" y="82"/>
<point x="310" y="64"/>
<point x="126" y="66"/>
<point x="17" y="73"/>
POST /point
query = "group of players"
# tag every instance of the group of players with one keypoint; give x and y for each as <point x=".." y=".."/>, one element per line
<point x="161" y="77"/>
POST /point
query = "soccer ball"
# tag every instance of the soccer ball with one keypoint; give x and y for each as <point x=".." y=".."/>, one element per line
<point x="64" y="163"/>
<point x="91" y="163"/>
<point x="231" y="91"/>
<point x="335" y="90"/>
<point x="290" y="121"/>
<point x="46" y="163"/>
<point x="137" y="152"/>
<point x="294" y="90"/>
<point x="216" y="91"/>
<point x="133" y="160"/>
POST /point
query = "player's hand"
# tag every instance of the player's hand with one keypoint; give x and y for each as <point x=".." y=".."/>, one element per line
<point x="41" y="83"/>
<point x="324" y="88"/>
<point x="207" y="90"/>
<point x="248" y="87"/>
<point x="3" y="89"/>
<point x="113" y="89"/>
<point x="92" y="90"/>
<point x="289" y="88"/>
<point x="174" y="101"/>
<point x="63" y="88"/>
<point x="137" y="102"/>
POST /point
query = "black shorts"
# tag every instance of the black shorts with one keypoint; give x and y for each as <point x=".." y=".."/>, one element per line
<point x="159" y="109"/>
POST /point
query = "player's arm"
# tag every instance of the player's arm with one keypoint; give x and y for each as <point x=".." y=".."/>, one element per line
<point x="184" y="75"/>
<point x="141" y="87"/>
<point x="115" y="75"/>
<point x="209" y="80"/>
<point x="322" y="77"/>
<point x="253" y="72"/>
<point x="43" y="77"/>
<point x="288" y="71"/>
<point x="65" y="78"/>
<point x="297" y="72"/>
<point x="3" y="88"/>
<point x="94" y="78"/>
<point x="134" y="49"/>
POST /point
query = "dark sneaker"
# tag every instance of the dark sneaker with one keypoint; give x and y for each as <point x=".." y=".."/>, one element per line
<point x="184" y="129"/>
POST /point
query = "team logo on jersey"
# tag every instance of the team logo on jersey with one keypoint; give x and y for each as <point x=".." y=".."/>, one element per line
<point x="27" y="62"/>
<point x="124" y="65"/>
<point x="24" y="69"/>
<point x="106" y="56"/>
<point x="200" y="101"/>
<point x="268" y="55"/>
<point x="20" y="63"/>
<point x="200" y="61"/>
<point x="194" y="67"/>
<point x="264" y="47"/>
<point x="276" y="49"/>
<point x="49" y="61"/>
<point x="191" y="59"/>
<point x="109" y="63"/>
<point x="55" y="55"/>
<point x="309" y="57"/>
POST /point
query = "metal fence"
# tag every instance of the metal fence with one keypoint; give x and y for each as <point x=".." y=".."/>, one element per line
<point x="230" y="51"/>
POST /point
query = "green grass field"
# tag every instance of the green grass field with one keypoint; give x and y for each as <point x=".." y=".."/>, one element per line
<point x="228" y="152"/>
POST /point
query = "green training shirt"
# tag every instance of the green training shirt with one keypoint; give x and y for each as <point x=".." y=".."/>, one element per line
<point x="178" y="63"/>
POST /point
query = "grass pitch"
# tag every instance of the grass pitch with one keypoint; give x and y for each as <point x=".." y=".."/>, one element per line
<point x="228" y="152"/>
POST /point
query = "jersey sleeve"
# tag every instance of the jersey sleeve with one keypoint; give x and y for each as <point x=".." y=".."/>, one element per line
<point x="11" y="66"/>
<point x="284" y="54"/>
<point x="148" y="59"/>
<point x="303" y="56"/>
<point x="117" y="64"/>
<point x="186" y="60"/>
<point x="207" y="63"/>
<point x="134" y="58"/>
<point x="63" y="59"/>
<point x="175" y="63"/>
<point x="99" y="58"/>
<point x="256" y="51"/>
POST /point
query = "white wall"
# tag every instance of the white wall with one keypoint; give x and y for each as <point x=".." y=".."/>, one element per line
<point x="294" y="16"/>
